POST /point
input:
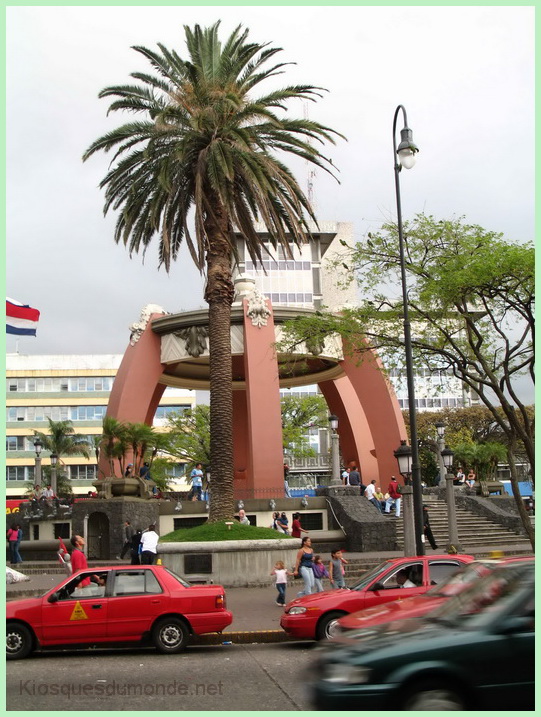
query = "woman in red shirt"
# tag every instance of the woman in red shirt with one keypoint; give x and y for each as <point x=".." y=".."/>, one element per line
<point x="296" y="528"/>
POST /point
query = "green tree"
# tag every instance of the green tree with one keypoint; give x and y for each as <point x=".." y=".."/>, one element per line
<point x="299" y="414"/>
<point x="482" y="457"/>
<point x="471" y="298"/>
<point x="62" y="440"/>
<point x="189" y="435"/>
<point x="204" y="143"/>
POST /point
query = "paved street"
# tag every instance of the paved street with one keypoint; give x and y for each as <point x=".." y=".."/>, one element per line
<point x="220" y="677"/>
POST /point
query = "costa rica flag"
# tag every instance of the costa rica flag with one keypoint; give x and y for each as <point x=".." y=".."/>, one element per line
<point x="21" y="319"/>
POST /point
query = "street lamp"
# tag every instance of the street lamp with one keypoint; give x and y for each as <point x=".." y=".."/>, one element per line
<point x="335" y="458"/>
<point x="447" y="457"/>
<point x="38" y="446"/>
<point x="54" y="459"/>
<point x="404" y="156"/>
<point x="403" y="456"/>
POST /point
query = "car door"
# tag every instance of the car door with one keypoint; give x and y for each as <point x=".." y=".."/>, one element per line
<point x="386" y="588"/>
<point x="78" y="616"/>
<point x="137" y="598"/>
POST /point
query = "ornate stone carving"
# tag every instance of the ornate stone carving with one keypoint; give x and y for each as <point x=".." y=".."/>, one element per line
<point x="195" y="338"/>
<point x="258" y="311"/>
<point x="137" y="328"/>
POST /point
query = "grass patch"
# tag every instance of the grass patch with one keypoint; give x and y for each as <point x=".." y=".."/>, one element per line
<point x="221" y="531"/>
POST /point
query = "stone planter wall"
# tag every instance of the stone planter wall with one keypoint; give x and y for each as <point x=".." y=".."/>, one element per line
<point x="366" y="528"/>
<point x="234" y="563"/>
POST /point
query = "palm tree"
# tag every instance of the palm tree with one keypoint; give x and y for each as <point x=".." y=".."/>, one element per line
<point x="62" y="440"/>
<point x="205" y="144"/>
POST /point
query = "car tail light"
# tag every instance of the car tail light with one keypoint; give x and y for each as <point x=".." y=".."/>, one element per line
<point x="220" y="602"/>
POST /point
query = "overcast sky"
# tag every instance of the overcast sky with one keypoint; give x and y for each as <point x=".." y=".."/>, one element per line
<point x="464" y="74"/>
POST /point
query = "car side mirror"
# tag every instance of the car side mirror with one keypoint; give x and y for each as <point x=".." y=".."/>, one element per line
<point x="377" y="586"/>
<point x="53" y="597"/>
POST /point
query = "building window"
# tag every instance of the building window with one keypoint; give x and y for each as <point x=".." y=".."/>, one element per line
<point x="82" y="472"/>
<point x="164" y="411"/>
<point x="19" y="473"/>
<point x="35" y="532"/>
<point x="61" y="530"/>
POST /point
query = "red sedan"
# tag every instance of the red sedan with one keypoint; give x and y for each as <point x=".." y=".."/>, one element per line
<point x="314" y="616"/>
<point x="127" y="605"/>
<point x="421" y="605"/>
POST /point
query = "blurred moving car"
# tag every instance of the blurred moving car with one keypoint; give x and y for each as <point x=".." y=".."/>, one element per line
<point x="475" y="652"/>
<point x="116" y="606"/>
<point x="424" y="604"/>
<point x="314" y="616"/>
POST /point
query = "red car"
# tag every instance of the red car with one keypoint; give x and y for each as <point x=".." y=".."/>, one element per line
<point x="112" y="606"/>
<point x="314" y="616"/>
<point x="421" y="605"/>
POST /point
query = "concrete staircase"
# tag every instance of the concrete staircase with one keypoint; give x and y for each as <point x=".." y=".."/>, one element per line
<point x="474" y="531"/>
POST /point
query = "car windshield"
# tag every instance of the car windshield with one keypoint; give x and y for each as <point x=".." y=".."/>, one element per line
<point x="179" y="579"/>
<point x="477" y="606"/>
<point x="368" y="577"/>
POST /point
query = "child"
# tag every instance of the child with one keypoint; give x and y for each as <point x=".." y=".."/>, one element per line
<point x="320" y="572"/>
<point x="336" y="569"/>
<point x="281" y="581"/>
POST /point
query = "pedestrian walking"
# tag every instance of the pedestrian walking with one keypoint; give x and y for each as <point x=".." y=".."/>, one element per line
<point x="196" y="476"/>
<point x="128" y="535"/>
<point x="303" y="566"/>
<point x="427" y="529"/>
<point x="320" y="572"/>
<point x="281" y="573"/>
<point x="296" y="527"/>
<point x="14" y="536"/>
<point x="394" y="497"/>
<point x="337" y="570"/>
<point x="135" y="547"/>
<point x="149" y="542"/>
<point x="370" y="494"/>
<point x="78" y="558"/>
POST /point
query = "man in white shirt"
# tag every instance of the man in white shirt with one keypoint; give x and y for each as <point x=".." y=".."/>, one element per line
<point x="149" y="542"/>
<point x="403" y="581"/>
<point x="370" y="493"/>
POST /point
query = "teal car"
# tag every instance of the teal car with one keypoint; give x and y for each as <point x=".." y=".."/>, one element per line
<point x="476" y="652"/>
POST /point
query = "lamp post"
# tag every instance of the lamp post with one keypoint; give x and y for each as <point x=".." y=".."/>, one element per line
<point x="403" y="455"/>
<point x="404" y="156"/>
<point x="38" y="446"/>
<point x="335" y="458"/>
<point x="54" y="459"/>
<point x="440" y="428"/>
<point x="447" y="458"/>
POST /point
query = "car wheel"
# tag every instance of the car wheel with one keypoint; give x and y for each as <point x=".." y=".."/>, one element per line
<point x="19" y="641"/>
<point x="170" y="635"/>
<point x="326" y="627"/>
<point x="433" y="695"/>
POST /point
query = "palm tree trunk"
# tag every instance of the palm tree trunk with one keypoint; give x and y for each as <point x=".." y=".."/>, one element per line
<point x="219" y="295"/>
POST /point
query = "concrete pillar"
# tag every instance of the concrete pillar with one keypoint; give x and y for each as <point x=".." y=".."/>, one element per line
<point x="451" y="513"/>
<point x="409" y="523"/>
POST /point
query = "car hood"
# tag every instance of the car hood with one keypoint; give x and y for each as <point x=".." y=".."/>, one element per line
<point x="326" y="598"/>
<point x="15" y="607"/>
